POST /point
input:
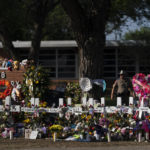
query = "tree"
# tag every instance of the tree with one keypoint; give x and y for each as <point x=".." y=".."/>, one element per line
<point x="54" y="30"/>
<point x="23" y="20"/>
<point x="89" y="19"/>
<point x="12" y="19"/>
<point x="143" y="34"/>
<point x="38" y="11"/>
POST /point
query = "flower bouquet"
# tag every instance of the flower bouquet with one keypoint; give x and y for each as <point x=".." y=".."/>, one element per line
<point x="55" y="129"/>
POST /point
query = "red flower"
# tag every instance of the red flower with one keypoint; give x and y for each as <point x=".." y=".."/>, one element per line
<point x="7" y="91"/>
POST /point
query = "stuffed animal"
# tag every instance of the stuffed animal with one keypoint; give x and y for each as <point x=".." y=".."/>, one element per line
<point x="9" y="64"/>
<point x="16" y="92"/>
<point x="24" y="63"/>
<point x="16" y="65"/>
<point x="4" y="63"/>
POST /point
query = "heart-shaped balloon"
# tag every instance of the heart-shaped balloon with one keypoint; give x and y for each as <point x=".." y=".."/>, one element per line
<point x="141" y="85"/>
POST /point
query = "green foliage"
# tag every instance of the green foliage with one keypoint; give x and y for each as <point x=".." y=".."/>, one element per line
<point x="57" y="26"/>
<point x="121" y="10"/>
<point x="142" y="34"/>
<point x="73" y="90"/>
<point x="12" y="22"/>
<point x="35" y="83"/>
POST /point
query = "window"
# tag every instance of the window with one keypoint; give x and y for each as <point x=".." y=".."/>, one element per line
<point x="126" y="62"/>
<point x="109" y="63"/>
<point x="116" y="59"/>
<point x="62" y="63"/>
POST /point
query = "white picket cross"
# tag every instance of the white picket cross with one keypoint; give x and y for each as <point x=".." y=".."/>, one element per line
<point x="61" y="102"/>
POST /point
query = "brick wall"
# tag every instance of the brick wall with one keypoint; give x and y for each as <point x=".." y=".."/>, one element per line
<point x="15" y="75"/>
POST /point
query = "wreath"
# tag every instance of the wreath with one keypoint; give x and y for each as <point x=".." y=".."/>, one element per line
<point x="8" y="89"/>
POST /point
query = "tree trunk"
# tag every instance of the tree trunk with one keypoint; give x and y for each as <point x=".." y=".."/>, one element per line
<point x="8" y="47"/>
<point x="40" y="11"/>
<point x="35" y="45"/>
<point x="91" y="58"/>
<point x="89" y="29"/>
<point x="91" y="62"/>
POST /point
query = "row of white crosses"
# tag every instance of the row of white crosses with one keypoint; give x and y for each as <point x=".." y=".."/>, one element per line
<point x="91" y="101"/>
<point x="85" y="102"/>
<point x="34" y="101"/>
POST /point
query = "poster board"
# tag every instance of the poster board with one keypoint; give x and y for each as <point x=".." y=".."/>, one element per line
<point x="33" y="135"/>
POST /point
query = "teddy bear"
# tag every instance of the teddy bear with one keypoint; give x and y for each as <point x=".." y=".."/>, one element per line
<point x="16" y="65"/>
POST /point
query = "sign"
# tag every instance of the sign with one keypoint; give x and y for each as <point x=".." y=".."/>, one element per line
<point x="27" y="109"/>
<point x="33" y="135"/>
<point x="13" y="83"/>
<point x="15" y="108"/>
<point x="2" y="75"/>
<point x="127" y="110"/>
<point x="111" y="109"/>
<point x="44" y="110"/>
<point x="54" y="110"/>
<point x="27" y="133"/>
<point x="144" y="109"/>
<point x="99" y="110"/>
<point x="76" y="109"/>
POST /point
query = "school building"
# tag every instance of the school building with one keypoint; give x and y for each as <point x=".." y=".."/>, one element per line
<point x="62" y="59"/>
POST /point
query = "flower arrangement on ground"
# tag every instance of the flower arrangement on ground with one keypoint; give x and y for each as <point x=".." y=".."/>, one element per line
<point x="35" y="83"/>
<point x="73" y="90"/>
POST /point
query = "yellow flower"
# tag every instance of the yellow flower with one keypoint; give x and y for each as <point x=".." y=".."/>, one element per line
<point x="110" y="125"/>
<point x="32" y="67"/>
<point x="89" y="117"/>
<point x="29" y="104"/>
<point x="116" y="121"/>
<point x="43" y="113"/>
<point x="37" y="82"/>
<point x="39" y="74"/>
<point x="55" y="128"/>
<point x="27" y="120"/>
<point x="40" y="105"/>
<point x="44" y="104"/>
<point x="83" y="116"/>
<point x="102" y="115"/>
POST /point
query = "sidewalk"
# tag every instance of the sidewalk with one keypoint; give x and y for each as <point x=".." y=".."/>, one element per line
<point x="46" y="144"/>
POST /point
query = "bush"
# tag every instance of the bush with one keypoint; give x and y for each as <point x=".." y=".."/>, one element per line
<point x="35" y="83"/>
<point x="73" y="90"/>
